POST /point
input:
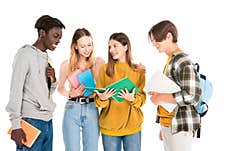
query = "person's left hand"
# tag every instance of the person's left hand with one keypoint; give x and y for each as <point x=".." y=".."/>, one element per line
<point x="155" y="97"/>
<point x="141" y="66"/>
<point x="126" y="95"/>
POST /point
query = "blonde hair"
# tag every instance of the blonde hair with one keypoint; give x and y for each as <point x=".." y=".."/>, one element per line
<point x="74" y="54"/>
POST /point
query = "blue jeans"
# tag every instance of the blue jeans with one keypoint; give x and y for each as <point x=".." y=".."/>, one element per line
<point x="45" y="139"/>
<point x="130" y="142"/>
<point x="80" y="117"/>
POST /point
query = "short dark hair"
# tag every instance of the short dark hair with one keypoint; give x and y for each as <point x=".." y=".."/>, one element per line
<point x="161" y="29"/>
<point x="47" y="22"/>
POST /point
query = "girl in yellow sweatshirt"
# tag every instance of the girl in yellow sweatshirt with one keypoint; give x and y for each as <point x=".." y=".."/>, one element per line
<point x="120" y="122"/>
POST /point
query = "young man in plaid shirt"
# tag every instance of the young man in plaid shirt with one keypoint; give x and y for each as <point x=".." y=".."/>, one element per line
<point x="177" y="127"/>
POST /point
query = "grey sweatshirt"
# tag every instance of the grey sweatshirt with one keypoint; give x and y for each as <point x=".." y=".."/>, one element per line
<point x="29" y="94"/>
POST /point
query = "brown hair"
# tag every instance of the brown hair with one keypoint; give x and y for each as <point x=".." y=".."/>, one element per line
<point x="47" y="22"/>
<point x="161" y="29"/>
<point x="124" y="40"/>
<point x="74" y="54"/>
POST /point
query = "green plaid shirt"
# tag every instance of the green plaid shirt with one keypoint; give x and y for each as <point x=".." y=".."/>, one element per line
<point x="182" y="71"/>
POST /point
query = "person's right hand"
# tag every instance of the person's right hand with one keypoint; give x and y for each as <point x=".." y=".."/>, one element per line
<point x="77" y="92"/>
<point x="106" y="94"/>
<point x="18" y="136"/>
<point x="160" y="135"/>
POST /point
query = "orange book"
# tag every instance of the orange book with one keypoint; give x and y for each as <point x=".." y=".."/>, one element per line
<point x="31" y="132"/>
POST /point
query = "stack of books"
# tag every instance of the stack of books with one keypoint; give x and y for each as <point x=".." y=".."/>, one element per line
<point x="85" y="77"/>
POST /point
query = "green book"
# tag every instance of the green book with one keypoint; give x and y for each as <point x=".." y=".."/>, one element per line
<point x="122" y="84"/>
<point x="91" y="89"/>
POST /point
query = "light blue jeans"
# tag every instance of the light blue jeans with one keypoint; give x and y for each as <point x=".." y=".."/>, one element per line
<point x="80" y="117"/>
<point x="130" y="142"/>
<point x="45" y="139"/>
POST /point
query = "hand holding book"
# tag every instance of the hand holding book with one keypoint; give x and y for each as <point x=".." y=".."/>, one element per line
<point x="127" y="95"/>
<point x="82" y="78"/>
<point x="18" y="136"/>
<point x="31" y="133"/>
<point x="77" y="92"/>
<point x="108" y="93"/>
<point x="118" y="87"/>
<point x="162" y="85"/>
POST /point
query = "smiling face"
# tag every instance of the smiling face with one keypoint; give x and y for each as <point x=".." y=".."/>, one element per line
<point x="84" y="46"/>
<point x="117" y="50"/>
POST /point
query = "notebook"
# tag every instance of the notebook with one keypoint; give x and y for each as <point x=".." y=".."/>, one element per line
<point x="73" y="79"/>
<point x="31" y="132"/>
<point x="86" y="78"/>
<point x="162" y="84"/>
<point x="122" y="84"/>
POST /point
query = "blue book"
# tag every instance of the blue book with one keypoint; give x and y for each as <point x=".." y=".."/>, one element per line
<point x="86" y="78"/>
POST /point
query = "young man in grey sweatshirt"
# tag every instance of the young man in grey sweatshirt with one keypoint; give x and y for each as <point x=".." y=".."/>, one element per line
<point x="33" y="81"/>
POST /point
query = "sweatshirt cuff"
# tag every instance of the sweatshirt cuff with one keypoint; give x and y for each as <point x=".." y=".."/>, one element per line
<point x="16" y="123"/>
<point x="179" y="99"/>
<point x="54" y="84"/>
<point x="99" y="103"/>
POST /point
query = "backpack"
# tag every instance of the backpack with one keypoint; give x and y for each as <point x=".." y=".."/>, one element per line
<point x="207" y="91"/>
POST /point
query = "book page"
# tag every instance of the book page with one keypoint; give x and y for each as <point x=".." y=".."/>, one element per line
<point x="162" y="84"/>
<point x="91" y="89"/>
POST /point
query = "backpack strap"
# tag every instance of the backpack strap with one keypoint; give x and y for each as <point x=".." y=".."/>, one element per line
<point x="203" y="77"/>
<point x="197" y="67"/>
<point x="204" y="113"/>
<point x="199" y="132"/>
<point x="202" y="103"/>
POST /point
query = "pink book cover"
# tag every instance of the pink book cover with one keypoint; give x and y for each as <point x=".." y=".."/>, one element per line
<point x="73" y="79"/>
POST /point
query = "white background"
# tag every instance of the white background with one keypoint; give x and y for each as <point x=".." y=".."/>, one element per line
<point x="201" y="25"/>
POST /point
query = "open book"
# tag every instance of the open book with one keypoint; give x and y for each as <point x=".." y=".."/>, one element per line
<point x="162" y="84"/>
<point x="122" y="84"/>
<point x="31" y="132"/>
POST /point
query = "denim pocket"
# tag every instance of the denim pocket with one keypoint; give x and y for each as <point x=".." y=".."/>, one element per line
<point x="69" y="105"/>
<point x="32" y="121"/>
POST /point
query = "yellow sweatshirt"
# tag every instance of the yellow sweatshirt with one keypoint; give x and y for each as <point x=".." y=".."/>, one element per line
<point x="124" y="118"/>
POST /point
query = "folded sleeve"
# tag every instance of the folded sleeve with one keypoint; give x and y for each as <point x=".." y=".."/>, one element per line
<point x="100" y="83"/>
<point x="190" y="86"/>
<point x="140" y="97"/>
